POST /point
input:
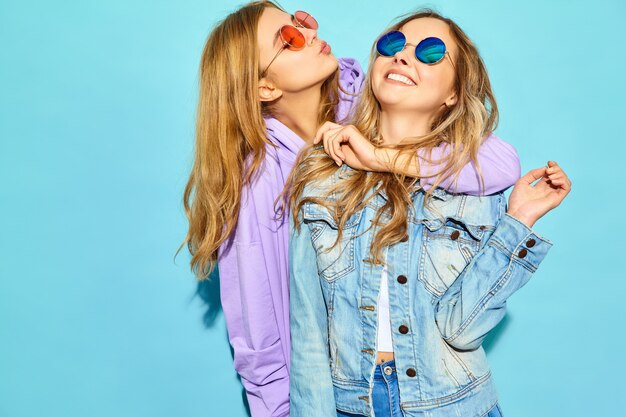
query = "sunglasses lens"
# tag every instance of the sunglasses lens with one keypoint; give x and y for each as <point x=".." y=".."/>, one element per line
<point x="430" y="50"/>
<point x="293" y="37"/>
<point x="391" y="43"/>
<point x="306" y="20"/>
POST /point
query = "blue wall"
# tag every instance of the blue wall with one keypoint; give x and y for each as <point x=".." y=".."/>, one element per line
<point x="97" y="103"/>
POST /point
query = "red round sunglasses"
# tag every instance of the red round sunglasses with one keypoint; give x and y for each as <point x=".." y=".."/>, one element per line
<point x="291" y="36"/>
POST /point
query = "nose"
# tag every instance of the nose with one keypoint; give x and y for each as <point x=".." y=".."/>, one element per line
<point x="309" y="34"/>
<point x="401" y="58"/>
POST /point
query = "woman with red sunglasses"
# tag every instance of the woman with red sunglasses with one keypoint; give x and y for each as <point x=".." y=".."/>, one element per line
<point x="267" y="83"/>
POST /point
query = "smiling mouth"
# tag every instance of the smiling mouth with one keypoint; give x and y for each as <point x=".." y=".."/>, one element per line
<point x="400" y="78"/>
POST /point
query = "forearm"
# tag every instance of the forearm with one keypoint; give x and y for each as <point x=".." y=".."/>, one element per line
<point x="499" y="169"/>
<point x="498" y="161"/>
<point x="393" y="160"/>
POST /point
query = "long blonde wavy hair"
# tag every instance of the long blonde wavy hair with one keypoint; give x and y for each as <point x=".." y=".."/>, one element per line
<point x="463" y="126"/>
<point x="230" y="132"/>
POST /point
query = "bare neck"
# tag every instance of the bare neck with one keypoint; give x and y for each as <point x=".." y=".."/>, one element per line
<point x="300" y="112"/>
<point x="395" y="125"/>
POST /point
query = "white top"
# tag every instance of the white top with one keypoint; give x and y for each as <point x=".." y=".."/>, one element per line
<point x="384" y="343"/>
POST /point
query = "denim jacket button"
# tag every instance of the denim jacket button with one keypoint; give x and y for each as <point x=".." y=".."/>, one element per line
<point x="455" y="235"/>
<point x="530" y="243"/>
<point x="405" y="238"/>
<point x="402" y="279"/>
<point x="403" y="329"/>
<point x="522" y="253"/>
<point x="411" y="372"/>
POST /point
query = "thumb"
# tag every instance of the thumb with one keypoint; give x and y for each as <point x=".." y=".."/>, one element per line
<point x="533" y="175"/>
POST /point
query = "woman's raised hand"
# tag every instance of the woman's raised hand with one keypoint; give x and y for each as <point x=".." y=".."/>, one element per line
<point x="347" y="144"/>
<point x="528" y="202"/>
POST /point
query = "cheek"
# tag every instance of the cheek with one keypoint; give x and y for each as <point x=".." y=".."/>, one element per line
<point x="301" y="70"/>
<point x="376" y="76"/>
<point x="377" y="65"/>
<point x="434" y="79"/>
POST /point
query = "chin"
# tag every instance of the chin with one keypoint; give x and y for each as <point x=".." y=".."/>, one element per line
<point x="331" y="61"/>
<point x="388" y="98"/>
<point x="329" y="66"/>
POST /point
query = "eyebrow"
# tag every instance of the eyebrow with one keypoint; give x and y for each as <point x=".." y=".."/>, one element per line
<point x="276" y="36"/>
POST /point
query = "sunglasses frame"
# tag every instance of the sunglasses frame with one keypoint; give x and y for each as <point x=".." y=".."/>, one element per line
<point x="416" y="46"/>
<point x="286" y="45"/>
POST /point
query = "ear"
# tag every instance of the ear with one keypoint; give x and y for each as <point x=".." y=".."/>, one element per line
<point x="451" y="100"/>
<point x="268" y="91"/>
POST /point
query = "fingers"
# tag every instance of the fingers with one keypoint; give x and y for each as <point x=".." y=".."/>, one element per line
<point x="323" y="129"/>
<point x="332" y="145"/>
<point x="553" y="168"/>
<point x="327" y="134"/>
<point x="557" y="177"/>
<point x="335" y="143"/>
<point x="337" y="139"/>
<point x="558" y="181"/>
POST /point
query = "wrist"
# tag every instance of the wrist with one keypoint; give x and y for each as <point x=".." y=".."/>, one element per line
<point x="378" y="163"/>
<point x="527" y="219"/>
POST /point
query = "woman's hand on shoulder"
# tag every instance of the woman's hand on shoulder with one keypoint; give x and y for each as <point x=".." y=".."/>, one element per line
<point x="345" y="144"/>
<point x="528" y="202"/>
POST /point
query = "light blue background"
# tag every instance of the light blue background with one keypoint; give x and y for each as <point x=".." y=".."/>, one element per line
<point x="97" y="103"/>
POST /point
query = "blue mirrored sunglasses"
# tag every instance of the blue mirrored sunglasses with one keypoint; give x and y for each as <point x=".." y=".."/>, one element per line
<point x="429" y="51"/>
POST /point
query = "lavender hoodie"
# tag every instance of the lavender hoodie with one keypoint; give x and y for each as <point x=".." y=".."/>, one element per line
<point x="254" y="263"/>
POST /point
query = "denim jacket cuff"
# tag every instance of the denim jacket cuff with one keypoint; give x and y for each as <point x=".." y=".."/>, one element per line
<point x="520" y="243"/>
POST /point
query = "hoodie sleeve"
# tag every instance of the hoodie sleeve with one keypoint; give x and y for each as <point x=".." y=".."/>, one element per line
<point x="498" y="161"/>
<point x="250" y="267"/>
<point x="351" y="77"/>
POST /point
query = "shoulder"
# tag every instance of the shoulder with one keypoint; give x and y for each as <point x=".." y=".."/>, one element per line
<point x="267" y="170"/>
<point x="497" y="143"/>
<point x="351" y="75"/>
<point x="321" y="188"/>
<point x="260" y="194"/>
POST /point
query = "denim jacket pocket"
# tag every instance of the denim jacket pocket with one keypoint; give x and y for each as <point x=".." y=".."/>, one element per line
<point x="335" y="258"/>
<point x="447" y="248"/>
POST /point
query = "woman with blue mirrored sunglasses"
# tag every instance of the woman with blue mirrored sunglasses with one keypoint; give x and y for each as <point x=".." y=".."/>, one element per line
<point x="394" y="287"/>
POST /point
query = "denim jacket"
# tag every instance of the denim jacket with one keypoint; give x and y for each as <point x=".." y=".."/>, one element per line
<point x="448" y="286"/>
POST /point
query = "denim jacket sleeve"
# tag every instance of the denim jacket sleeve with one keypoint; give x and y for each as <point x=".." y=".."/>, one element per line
<point x="311" y="387"/>
<point x="498" y="162"/>
<point x="475" y="303"/>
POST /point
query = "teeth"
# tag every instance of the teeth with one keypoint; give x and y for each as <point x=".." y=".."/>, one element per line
<point x="401" y="78"/>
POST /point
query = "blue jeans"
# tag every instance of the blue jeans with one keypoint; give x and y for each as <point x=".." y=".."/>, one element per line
<point x="386" y="395"/>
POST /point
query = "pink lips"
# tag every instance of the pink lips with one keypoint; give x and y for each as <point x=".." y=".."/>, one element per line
<point x="325" y="49"/>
